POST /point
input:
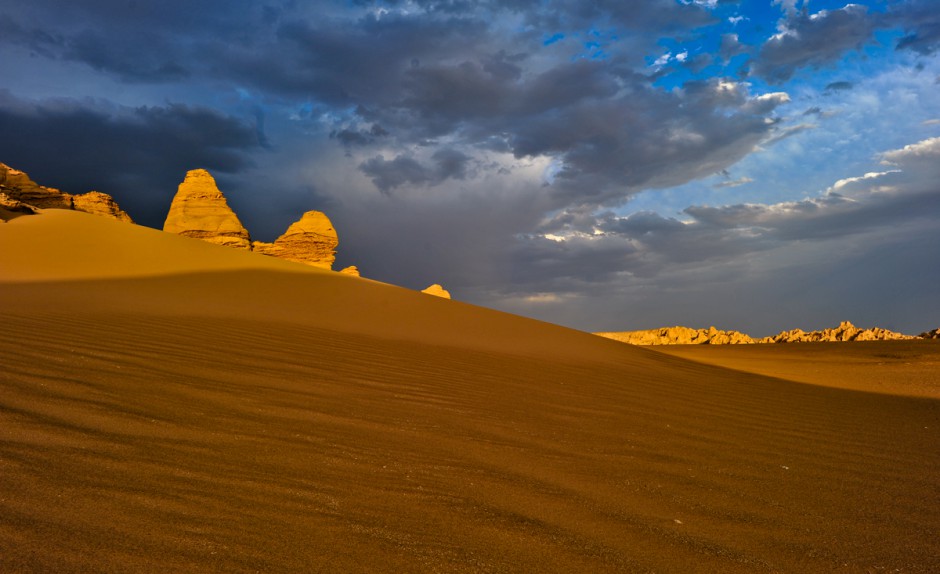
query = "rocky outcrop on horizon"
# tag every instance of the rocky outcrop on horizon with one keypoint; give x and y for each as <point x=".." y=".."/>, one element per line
<point x="351" y="270"/>
<point x="310" y="240"/>
<point x="680" y="336"/>
<point x="200" y="211"/>
<point x="437" y="291"/>
<point x="846" y="331"/>
<point x="19" y="191"/>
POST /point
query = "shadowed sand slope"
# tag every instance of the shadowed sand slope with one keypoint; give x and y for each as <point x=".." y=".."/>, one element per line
<point x="264" y="419"/>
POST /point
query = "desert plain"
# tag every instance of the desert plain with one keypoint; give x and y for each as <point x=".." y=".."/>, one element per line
<point x="167" y="405"/>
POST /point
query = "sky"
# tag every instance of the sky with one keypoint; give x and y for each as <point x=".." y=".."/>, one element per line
<point x="606" y="165"/>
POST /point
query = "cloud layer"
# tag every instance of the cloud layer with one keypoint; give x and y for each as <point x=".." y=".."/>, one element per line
<point x="552" y="158"/>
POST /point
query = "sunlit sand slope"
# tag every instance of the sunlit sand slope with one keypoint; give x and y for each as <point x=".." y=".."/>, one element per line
<point x="909" y="368"/>
<point x="252" y="419"/>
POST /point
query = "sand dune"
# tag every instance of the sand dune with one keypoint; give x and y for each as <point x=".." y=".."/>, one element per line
<point x="208" y="410"/>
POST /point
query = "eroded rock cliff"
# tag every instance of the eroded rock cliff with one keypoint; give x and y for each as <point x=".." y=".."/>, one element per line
<point x="21" y="193"/>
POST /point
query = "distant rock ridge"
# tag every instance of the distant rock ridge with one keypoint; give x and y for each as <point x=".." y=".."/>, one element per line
<point x="22" y="196"/>
<point x="199" y="210"/>
<point x="680" y="336"/>
<point x="846" y="331"/>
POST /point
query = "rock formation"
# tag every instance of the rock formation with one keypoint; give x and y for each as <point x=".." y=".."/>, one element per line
<point x="846" y="331"/>
<point x="100" y="204"/>
<point x="351" y="270"/>
<point x="935" y="334"/>
<point x="199" y="210"/>
<point x="310" y="240"/>
<point x="437" y="291"/>
<point x="680" y="336"/>
<point x="11" y="208"/>
<point x="17" y="186"/>
<point x="19" y="189"/>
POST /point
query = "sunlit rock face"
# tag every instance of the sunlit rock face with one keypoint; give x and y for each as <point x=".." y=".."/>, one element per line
<point x="310" y="240"/>
<point x="199" y="210"/>
<point x="351" y="270"/>
<point x="100" y="204"/>
<point x="18" y="188"/>
<point x="437" y="291"/>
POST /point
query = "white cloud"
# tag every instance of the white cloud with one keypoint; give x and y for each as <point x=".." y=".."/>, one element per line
<point x="842" y="183"/>
<point x="926" y="149"/>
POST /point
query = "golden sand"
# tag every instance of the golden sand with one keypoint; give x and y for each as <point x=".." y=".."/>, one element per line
<point x="167" y="405"/>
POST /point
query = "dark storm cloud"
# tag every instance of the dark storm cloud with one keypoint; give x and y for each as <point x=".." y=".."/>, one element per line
<point x="440" y="72"/>
<point x="133" y="41"/>
<point x="814" y="40"/>
<point x="138" y="155"/>
<point x="389" y="174"/>
<point x="920" y="19"/>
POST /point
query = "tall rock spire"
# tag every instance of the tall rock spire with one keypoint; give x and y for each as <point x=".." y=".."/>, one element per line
<point x="199" y="210"/>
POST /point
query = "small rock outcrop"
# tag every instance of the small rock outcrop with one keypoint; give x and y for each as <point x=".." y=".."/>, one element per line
<point x="199" y="210"/>
<point x="935" y="334"/>
<point x="351" y="270"/>
<point x="11" y="208"/>
<point x="680" y="336"/>
<point x="100" y="204"/>
<point x="19" y="190"/>
<point x="846" y="331"/>
<point x="310" y="240"/>
<point x="437" y="291"/>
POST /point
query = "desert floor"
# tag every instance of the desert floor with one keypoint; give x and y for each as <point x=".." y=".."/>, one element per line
<point x="172" y="406"/>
